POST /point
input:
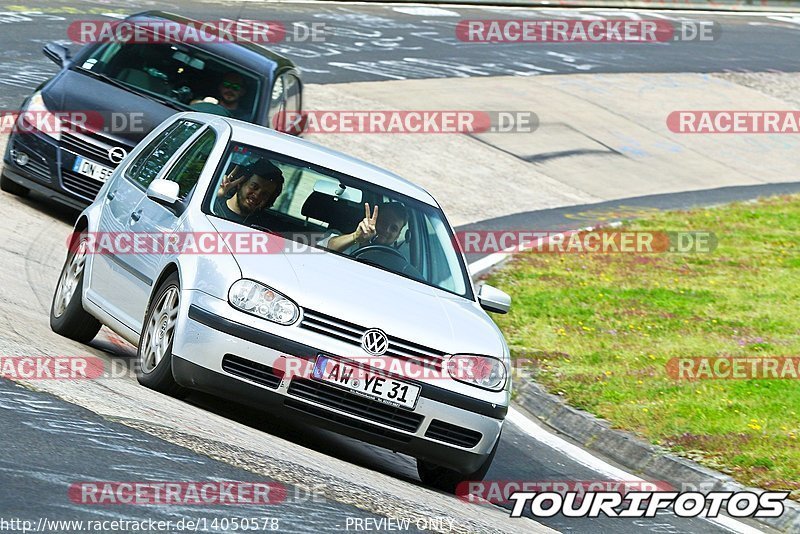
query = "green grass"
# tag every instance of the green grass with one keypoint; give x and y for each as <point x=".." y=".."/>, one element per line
<point x="602" y="327"/>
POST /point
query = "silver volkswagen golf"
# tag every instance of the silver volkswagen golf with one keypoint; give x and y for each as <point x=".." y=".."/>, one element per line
<point x="271" y="271"/>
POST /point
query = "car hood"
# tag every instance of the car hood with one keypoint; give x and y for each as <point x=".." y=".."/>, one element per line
<point x="76" y="92"/>
<point x="373" y="298"/>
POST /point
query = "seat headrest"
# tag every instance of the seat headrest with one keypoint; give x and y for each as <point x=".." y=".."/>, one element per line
<point x="339" y="214"/>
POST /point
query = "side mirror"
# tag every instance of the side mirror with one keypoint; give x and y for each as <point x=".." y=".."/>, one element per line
<point x="492" y="299"/>
<point x="163" y="191"/>
<point x="56" y="53"/>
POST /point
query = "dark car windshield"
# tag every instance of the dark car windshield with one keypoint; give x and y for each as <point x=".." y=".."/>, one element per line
<point x="178" y="74"/>
<point x="311" y="205"/>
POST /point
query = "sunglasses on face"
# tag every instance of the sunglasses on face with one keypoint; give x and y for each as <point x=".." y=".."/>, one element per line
<point x="232" y="85"/>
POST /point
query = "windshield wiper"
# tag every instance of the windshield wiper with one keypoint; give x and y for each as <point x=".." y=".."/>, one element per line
<point x="128" y="87"/>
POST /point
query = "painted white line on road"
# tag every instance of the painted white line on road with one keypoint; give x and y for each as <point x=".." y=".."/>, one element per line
<point x="426" y="11"/>
<point x="585" y="458"/>
<point x="643" y="10"/>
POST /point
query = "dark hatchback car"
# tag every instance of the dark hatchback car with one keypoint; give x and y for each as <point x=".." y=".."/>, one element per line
<point x="132" y="87"/>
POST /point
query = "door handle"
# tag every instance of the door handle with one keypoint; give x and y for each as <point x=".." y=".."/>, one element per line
<point x="136" y="215"/>
<point x="111" y="195"/>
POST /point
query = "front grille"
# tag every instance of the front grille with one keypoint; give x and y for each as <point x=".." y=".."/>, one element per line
<point x="351" y="333"/>
<point x="90" y="146"/>
<point x="80" y="185"/>
<point x="463" y="437"/>
<point x="345" y="401"/>
<point x="38" y="168"/>
<point x="347" y="421"/>
<point x="255" y="372"/>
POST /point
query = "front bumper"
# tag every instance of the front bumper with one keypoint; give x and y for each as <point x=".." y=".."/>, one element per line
<point x="48" y="171"/>
<point x="446" y="428"/>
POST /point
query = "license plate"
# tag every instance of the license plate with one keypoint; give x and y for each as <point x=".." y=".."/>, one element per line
<point x="91" y="169"/>
<point x="362" y="382"/>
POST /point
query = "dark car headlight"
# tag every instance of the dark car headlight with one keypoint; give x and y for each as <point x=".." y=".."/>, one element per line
<point x="37" y="108"/>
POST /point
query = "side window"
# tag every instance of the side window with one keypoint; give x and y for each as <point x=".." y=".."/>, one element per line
<point x="153" y="158"/>
<point x="188" y="168"/>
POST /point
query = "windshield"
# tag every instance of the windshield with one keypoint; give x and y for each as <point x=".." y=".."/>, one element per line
<point x="338" y="214"/>
<point x="179" y="75"/>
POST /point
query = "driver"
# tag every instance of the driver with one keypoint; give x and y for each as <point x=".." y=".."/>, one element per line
<point x="230" y="90"/>
<point x="371" y="230"/>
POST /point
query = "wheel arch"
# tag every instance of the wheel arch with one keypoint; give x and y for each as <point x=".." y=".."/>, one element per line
<point x="169" y="269"/>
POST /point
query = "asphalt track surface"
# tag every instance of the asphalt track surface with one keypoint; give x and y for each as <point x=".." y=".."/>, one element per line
<point x="42" y="456"/>
<point x="374" y="43"/>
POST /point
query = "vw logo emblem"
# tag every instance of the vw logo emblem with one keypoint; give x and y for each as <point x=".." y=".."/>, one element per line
<point x="375" y="342"/>
<point x="117" y="154"/>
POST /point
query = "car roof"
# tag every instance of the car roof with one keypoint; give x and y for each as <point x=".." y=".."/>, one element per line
<point x="289" y="145"/>
<point x="247" y="54"/>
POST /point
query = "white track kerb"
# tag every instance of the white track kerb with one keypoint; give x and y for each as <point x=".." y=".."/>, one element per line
<point x="552" y="441"/>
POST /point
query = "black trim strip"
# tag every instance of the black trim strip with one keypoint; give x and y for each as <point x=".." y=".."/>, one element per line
<point x="248" y="333"/>
<point x="135" y="272"/>
<point x="300" y="350"/>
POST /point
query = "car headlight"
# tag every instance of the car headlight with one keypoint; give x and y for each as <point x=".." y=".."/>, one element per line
<point x="481" y="371"/>
<point x="262" y="301"/>
<point x="35" y="114"/>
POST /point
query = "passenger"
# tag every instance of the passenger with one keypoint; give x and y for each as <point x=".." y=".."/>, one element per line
<point x="242" y="199"/>
<point x="371" y="230"/>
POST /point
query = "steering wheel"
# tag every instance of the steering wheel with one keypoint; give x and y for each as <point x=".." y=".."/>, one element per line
<point x="378" y="248"/>
<point x="396" y="261"/>
<point x="208" y="107"/>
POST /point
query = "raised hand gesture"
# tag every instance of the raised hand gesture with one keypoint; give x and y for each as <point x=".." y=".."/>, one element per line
<point x="366" y="228"/>
<point x="228" y="182"/>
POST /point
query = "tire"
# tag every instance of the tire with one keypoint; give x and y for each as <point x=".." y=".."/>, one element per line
<point x="447" y="480"/>
<point x="154" y="355"/>
<point x="10" y="186"/>
<point x="67" y="316"/>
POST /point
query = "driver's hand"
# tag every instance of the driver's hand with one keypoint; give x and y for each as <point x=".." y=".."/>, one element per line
<point x="366" y="228"/>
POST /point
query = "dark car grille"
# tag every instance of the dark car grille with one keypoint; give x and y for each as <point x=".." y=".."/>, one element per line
<point x="456" y="435"/>
<point x="90" y="146"/>
<point x="351" y="333"/>
<point x="255" y="372"/>
<point x="38" y="168"/>
<point x="348" y="402"/>
<point x="80" y="185"/>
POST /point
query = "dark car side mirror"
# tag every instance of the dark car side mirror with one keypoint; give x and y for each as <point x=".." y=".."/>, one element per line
<point x="56" y="53"/>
